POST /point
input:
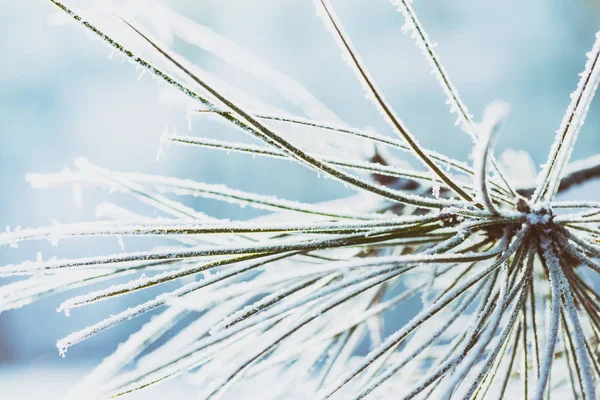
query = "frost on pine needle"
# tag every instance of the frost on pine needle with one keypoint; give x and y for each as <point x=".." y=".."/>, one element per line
<point x="498" y="268"/>
<point x="571" y="124"/>
<point x="418" y="33"/>
<point x="493" y="116"/>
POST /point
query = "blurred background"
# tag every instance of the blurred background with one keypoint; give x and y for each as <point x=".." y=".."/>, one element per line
<point x="61" y="97"/>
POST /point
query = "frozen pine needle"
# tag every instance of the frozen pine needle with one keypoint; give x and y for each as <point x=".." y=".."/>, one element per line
<point x="500" y="272"/>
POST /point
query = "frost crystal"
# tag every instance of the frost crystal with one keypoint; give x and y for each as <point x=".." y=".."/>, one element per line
<point x="292" y="295"/>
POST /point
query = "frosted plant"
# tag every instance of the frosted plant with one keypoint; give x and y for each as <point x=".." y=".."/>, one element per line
<point x="498" y="265"/>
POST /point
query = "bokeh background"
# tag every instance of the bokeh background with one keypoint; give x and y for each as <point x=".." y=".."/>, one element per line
<point x="61" y="98"/>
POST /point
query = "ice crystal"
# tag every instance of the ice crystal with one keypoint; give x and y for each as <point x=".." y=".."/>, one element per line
<point x="288" y="297"/>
